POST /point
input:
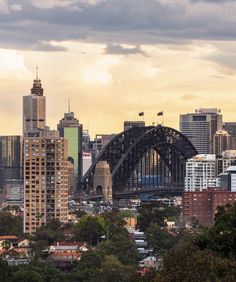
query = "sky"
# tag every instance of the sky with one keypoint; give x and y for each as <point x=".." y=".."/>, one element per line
<point x="116" y="58"/>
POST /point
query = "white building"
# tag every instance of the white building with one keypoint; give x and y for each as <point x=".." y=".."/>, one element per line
<point x="200" y="172"/>
<point x="227" y="159"/>
<point x="87" y="162"/>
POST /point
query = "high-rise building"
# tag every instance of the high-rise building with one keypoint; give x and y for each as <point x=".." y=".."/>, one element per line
<point x="222" y="141"/>
<point x="10" y="159"/>
<point x="200" y="173"/>
<point x="34" y="110"/>
<point x="70" y="128"/>
<point x="200" y="127"/>
<point x="130" y="124"/>
<point x="230" y="127"/>
<point x="45" y="181"/>
<point x="100" y="142"/>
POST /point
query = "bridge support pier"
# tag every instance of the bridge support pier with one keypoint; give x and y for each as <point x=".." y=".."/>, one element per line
<point x="102" y="181"/>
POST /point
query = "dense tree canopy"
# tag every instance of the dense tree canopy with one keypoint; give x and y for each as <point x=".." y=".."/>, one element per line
<point x="155" y="213"/>
<point x="221" y="237"/>
<point x="90" y="229"/>
<point x="10" y="225"/>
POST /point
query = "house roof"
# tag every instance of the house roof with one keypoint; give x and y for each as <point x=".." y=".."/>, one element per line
<point x="69" y="244"/>
<point x="8" y="237"/>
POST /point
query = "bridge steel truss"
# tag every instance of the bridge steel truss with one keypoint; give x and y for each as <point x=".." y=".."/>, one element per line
<point x="144" y="157"/>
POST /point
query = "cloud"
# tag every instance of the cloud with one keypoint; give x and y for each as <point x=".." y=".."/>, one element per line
<point x="4" y="9"/>
<point x="117" y="49"/>
<point x="16" y="7"/>
<point x="115" y="23"/>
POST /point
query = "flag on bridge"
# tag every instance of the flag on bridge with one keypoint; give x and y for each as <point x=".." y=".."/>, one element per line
<point x="141" y="114"/>
<point x="160" y="114"/>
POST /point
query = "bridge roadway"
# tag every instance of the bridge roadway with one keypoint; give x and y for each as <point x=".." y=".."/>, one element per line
<point x="160" y="191"/>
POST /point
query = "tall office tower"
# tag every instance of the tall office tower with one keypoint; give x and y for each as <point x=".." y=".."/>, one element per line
<point x="222" y="141"/>
<point x="130" y="124"/>
<point x="86" y="140"/>
<point x="200" y="127"/>
<point x="45" y="181"/>
<point x="10" y="159"/>
<point x="100" y="142"/>
<point x="34" y="110"/>
<point x="230" y="127"/>
<point x="200" y="172"/>
<point x="70" y="128"/>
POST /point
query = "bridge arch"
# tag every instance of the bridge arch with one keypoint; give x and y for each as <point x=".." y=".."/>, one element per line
<point x="141" y="155"/>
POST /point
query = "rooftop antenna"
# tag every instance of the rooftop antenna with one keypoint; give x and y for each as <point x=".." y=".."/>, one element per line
<point x="68" y="105"/>
<point x="37" y="73"/>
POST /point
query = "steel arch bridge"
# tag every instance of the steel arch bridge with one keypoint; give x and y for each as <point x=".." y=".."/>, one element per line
<point x="144" y="158"/>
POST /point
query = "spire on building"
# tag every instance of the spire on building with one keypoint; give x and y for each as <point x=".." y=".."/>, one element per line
<point x="37" y="86"/>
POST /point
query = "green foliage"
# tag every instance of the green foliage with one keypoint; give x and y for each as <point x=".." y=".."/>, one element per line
<point x="126" y="213"/>
<point x="46" y="235"/>
<point x="160" y="239"/>
<point x="90" y="229"/>
<point x="112" y="270"/>
<point x="188" y="263"/>
<point x="10" y="225"/>
<point x="4" y="271"/>
<point x="115" y="224"/>
<point x="155" y="213"/>
<point x="6" y="245"/>
<point x="122" y="247"/>
<point x="79" y="213"/>
<point x="87" y="268"/>
<point x="23" y="275"/>
<point x="221" y="238"/>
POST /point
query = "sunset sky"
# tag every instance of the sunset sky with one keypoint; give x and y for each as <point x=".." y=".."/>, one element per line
<point x="115" y="58"/>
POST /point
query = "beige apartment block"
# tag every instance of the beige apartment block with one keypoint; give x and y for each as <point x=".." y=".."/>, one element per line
<point x="45" y="181"/>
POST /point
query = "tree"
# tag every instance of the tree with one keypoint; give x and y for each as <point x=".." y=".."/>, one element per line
<point x="188" y="263"/>
<point x="5" y="271"/>
<point x="221" y="237"/>
<point x="10" y="225"/>
<point x="24" y="275"/>
<point x="6" y="245"/>
<point x="160" y="239"/>
<point x="90" y="229"/>
<point x="121" y="247"/>
<point x="155" y="212"/>
<point x="115" y="224"/>
<point x="112" y="270"/>
<point x="87" y="266"/>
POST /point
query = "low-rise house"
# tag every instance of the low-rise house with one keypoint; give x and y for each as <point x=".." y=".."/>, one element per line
<point x="67" y="247"/>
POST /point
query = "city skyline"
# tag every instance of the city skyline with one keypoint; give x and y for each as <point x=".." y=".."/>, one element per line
<point x="115" y="59"/>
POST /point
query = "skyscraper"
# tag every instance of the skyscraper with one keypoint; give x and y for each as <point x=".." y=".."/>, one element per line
<point x="70" y="128"/>
<point x="34" y="110"/>
<point x="45" y="181"/>
<point x="45" y="165"/>
<point x="200" y="127"/>
<point x="223" y="141"/>
<point x="10" y="159"/>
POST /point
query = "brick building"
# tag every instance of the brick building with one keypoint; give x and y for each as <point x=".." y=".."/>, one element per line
<point x="203" y="204"/>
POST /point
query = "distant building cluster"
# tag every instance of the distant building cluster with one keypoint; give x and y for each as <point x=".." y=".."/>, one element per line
<point x="41" y="170"/>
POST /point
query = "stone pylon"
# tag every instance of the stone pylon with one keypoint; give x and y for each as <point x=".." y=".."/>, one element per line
<point x="102" y="181"/>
